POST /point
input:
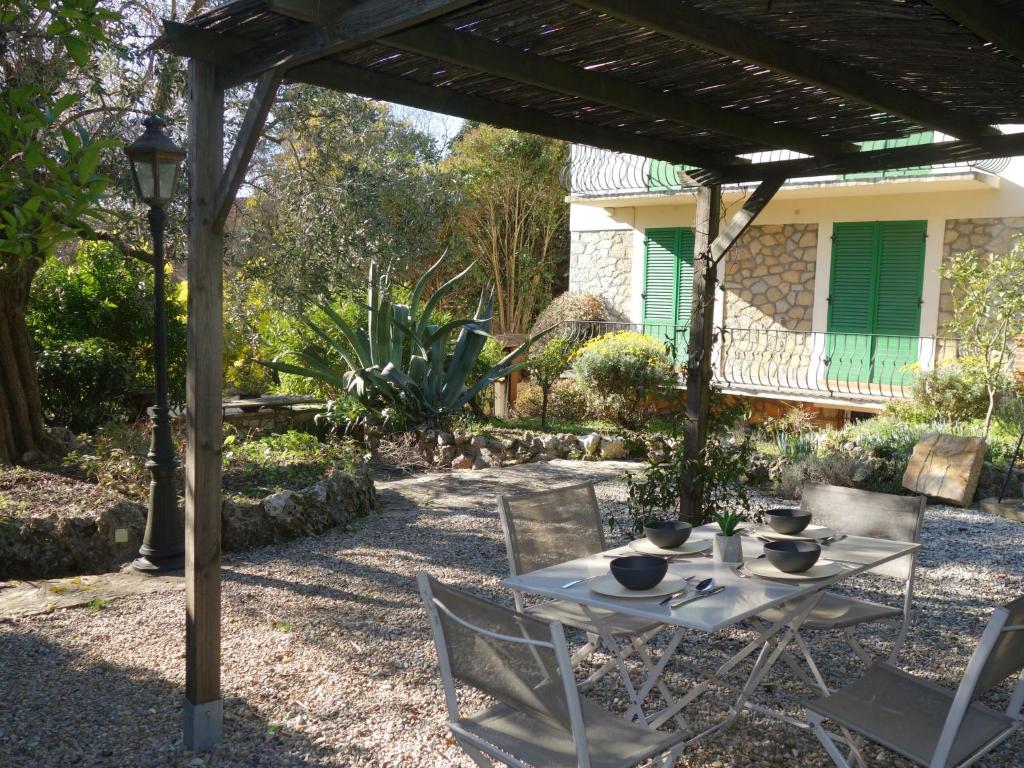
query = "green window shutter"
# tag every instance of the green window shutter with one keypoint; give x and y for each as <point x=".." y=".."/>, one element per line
<point x="900" y="277"/>
<point x="663" y="176"/>
<point x="913" y="140"/>
<point x="660" y="276"/>
<point x="851" y="297"/>
<point x="684" y="302"/>
<point x="851" y="292"/>
<point x="876" y="282"/>
<point x="668" y="283"/>
<point x="898" y="307"/>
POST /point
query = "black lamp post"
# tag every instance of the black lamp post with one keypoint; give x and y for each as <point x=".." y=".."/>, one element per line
<point x="156" y="164"/>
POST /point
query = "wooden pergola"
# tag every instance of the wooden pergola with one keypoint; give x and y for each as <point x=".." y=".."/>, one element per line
<point x="738" y="90"/>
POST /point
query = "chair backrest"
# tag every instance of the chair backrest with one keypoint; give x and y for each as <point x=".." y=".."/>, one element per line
<point x="549" y="527"/>
<point x="520" y="661"/>
<point x="999" y="655"/>
<point x="866" y="513"/>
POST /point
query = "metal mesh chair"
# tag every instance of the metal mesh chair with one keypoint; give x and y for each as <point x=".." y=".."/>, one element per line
<point x="539" y="719"/>
<point x="927" y="723"/>
<point x="862" y="513"/>
<point x="549" y="527"/>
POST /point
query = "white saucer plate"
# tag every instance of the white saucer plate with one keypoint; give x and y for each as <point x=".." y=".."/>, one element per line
<point x="810" y="533"/>
<point x="822" y="569"/>
<point x="645" y="547"/>
<point x="607" y="585"/>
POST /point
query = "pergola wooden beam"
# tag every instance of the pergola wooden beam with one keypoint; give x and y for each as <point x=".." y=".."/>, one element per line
<point x="705" y="29"/>
<point x="350" y="26"/>
<point x="472" y="51"/>
<point x="402" y="91"/>
<point x="745" y="216"/>
<point x="1003" y="145"/>
<point x="1001" y="26"/>
<point x="245" y="145"/>
<point x="203" y="416"/>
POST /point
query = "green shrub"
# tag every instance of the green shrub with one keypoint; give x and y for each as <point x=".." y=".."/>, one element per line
<point x="103" y="297"/>
<point x="568" y="401"/>
<point x="831" y="469"/>
<point x="82" y="384"/>
<point x="528" y="401"/>
<point x="625" y="373"/>
<point x="954" y="392"/>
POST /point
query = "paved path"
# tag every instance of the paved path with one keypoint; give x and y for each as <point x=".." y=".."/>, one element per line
<point x="431" y="491"/>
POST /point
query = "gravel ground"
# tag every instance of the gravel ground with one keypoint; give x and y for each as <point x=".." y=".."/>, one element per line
<point x="328" y="662"/>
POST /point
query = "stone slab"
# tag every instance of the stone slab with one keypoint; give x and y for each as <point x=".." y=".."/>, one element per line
<point x="1011" y="509"/>
<point x="25" y="598"/>
<point x="946" y="467"/>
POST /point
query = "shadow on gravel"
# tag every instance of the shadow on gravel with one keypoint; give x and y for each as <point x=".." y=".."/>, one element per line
<point x="60" y="708"/>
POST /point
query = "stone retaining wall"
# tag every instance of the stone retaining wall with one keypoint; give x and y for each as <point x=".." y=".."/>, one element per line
<point x="461" y="449"/>
<point x="335" y="500"/>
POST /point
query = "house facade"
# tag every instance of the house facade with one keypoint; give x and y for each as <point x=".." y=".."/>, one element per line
<point x="833" y="297"/>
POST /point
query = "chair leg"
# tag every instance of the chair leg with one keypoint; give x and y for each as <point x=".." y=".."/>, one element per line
<point x="858" y="649"/>
<point x="474" y="754"/>
<point x="670" y="759"/>
<point x="816" y="722"/>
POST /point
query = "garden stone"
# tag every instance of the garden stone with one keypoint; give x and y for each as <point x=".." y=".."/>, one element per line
<point x="462" y="461"/>
<point x="552" y="445"/>
<point x="481" y="461"/>
<point x="445" y="438"/>
<point x="946" y="467"/>
<point x="509" y="444"/>
<point x="590" y="443"/>
<point x="613" y="448"/>
<point x="461" y="436"/>
<point x="478" y="441"/>
<point x="446" y="454"/>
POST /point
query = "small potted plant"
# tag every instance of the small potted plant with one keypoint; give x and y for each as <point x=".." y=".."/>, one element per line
<point x="728" y="547"/>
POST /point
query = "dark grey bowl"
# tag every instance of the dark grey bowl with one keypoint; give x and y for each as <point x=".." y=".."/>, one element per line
<point x="668" y="534"/>
<point x="788" y="521"/>
<point x="792" y="556"/>
<point x="639" y="571"/>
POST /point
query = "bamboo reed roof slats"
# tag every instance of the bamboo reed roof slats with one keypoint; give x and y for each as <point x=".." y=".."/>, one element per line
<point x="911" y="48"/>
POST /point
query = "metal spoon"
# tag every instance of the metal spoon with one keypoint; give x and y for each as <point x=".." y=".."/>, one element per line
<point x="832" y="539"/>
<point x="711" y="590"/>
<point x="701" y="585"/>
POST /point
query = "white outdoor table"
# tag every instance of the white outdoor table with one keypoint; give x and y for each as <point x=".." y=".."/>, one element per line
<point x="743" y="598"/>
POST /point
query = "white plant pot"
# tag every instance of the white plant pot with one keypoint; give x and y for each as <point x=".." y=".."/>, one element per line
<point x="728" y="549"/>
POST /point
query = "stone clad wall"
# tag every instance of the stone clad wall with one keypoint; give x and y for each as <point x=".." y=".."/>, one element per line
<point x="769" y="278"/>
<point x="984" y="235"/>
<point x="601" y="263"/>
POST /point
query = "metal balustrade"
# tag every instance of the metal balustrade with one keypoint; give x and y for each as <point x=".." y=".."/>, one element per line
<point x="776" y="361"/>
<point x="593" y="172"/>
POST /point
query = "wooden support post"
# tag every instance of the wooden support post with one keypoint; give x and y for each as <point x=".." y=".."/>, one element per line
<point x="203" y="706"/>
<point x="698" y="365"/>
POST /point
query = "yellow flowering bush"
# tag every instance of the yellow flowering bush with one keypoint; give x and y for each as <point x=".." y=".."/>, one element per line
<point x="625" y="374"/>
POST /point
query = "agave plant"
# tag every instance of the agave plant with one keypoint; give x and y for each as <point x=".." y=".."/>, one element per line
<point x="403" y="364"/>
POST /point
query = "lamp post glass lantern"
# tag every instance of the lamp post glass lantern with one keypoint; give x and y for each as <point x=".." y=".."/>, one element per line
<point x="156" y="164"/>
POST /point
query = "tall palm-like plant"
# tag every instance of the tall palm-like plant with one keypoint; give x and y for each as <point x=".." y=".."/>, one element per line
<point x="402" y="363"/>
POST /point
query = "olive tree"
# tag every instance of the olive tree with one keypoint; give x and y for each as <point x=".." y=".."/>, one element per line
<point x="988" y="311"/>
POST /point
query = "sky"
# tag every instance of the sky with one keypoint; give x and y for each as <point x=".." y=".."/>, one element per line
<point x="442" y="127"/>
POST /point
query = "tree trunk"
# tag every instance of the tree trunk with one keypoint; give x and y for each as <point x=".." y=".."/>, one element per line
<point x="544" y="406"/>
<point x="23" y="437"/>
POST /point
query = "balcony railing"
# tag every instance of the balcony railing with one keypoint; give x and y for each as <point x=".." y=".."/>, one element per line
<point x="869" y="367"/>
<point x="592" y="172"/>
